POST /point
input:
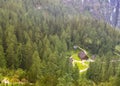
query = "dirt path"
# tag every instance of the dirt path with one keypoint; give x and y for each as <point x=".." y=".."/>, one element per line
<point x="81" y="62"/>
<point x="83" y="70"/>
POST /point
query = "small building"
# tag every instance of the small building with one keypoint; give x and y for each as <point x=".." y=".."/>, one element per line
<point x="83" y="55"/>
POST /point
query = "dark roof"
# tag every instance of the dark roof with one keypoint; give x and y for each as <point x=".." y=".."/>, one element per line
<point x="82" y="55"/>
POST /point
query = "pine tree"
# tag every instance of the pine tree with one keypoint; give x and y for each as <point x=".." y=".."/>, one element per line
<point x="10" y="56"/>
<point x="35" y="69"/>
<point x="2" y="58"/>
<point x="11" y="43"/>
<point x="27" y="52"/>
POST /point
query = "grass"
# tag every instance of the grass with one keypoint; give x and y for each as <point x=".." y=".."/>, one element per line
<point x="75" y="57"/>
<point x="81" y="64"/>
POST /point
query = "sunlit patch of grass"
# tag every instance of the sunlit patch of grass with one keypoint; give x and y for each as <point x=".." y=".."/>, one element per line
<point x="75" y="57"/>
<point x="81" y="66"/>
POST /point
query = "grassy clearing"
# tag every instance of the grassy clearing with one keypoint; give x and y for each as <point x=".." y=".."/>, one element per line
<point x="82" y="65"/>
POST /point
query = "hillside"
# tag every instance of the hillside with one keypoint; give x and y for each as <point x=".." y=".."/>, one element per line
<point x="107" y="10"/>
<point x="37" y="39"/>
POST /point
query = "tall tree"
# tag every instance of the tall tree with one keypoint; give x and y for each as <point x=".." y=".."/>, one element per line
<point x="2" y="57"/>
<point x="35" y="69"/>
<point x="27" y="52"/>
<point x="11" y="43"/>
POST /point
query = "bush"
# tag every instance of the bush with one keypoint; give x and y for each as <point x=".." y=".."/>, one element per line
<point x="1" y="77"/>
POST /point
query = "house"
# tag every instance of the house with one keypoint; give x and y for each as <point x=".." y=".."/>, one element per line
<point x="83" y="55"/>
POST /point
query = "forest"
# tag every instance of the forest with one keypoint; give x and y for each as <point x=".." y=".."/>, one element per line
<point x="36" y="40"/>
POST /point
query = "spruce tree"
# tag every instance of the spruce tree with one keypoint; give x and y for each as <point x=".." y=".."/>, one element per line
<point x="35" y="69"/>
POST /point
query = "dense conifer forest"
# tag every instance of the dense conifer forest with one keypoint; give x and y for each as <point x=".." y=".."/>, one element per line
<point x="36" y="40"/>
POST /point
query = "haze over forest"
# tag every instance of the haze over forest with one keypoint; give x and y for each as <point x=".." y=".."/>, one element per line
<point x="59" y="42"/>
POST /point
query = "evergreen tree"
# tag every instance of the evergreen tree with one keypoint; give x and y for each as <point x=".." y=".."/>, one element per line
<point x="2" y="58"/>
<point x="35" y="69"/>
<point x="27" y="55"/>
<point x="11" y="43"/>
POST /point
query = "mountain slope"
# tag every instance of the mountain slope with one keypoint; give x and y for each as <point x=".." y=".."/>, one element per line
<point x="108" y="10"/>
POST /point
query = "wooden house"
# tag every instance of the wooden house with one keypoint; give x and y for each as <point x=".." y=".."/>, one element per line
<point x="83" y="55"/>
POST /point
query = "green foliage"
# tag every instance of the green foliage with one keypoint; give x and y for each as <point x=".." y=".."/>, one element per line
<point x="37" y="41"/>
<point x="35" y="70"/>
<point x="1" y="77"/>
<point x="75" y="56"/>
<point x="2" y="58"/>
<point x="104" y="70"/>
